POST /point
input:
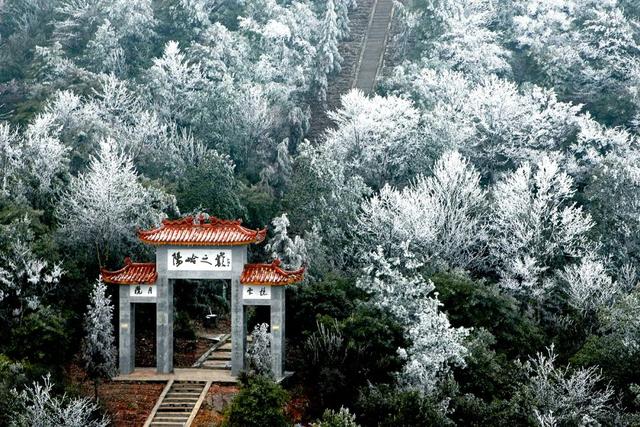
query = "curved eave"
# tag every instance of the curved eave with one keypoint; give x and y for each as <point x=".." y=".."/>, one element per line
<point x="251" y="275"/>
<point x="129" y="276"/>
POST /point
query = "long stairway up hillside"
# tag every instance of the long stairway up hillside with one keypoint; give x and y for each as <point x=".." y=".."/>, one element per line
<point x="372" y="53"/>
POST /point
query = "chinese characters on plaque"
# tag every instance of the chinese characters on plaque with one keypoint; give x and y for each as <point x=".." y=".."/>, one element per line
<point x="199" y="260"/>
<point x="142" y="290"/>
<point x="256" y="292"/>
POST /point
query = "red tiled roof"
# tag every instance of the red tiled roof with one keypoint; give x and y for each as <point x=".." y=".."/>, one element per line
<point x="132" y="273"/>
<point x="213" y="232"/>
<point x="270" y="274"/>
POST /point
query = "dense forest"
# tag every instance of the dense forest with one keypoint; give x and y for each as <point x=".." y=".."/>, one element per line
<point x="470" y="230"/>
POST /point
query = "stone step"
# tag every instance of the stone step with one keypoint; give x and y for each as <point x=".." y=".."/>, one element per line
<point x="173" y="418"/>
<point x="178" y="400"/>
<point x="220" y="356"/>
<point x="188" y="389"/>
<point x="220" y="364"/>
<point x="177" y="406"/>
<point x="182" y="394"/>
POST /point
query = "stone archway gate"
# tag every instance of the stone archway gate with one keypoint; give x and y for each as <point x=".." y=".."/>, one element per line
<point x="199" y="248"/>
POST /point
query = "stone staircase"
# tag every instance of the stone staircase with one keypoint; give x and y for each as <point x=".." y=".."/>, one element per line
<point x="219" y="358"/>
<point x="178" y="404"/>
<point x="372" y="53"/>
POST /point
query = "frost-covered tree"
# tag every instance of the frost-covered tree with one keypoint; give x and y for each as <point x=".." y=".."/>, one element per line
<point x="25" y="279"/>
<point x="46" y="153"/>
<point x="467" y="41"/>
<point x="80" y="21"/>
<point x="32" y="162"/>
<point x="377" y="138"/>
<point x="342" y="16"/>
<point x="292" y="252"/>
<point x="622" y="323"/>
<point x="325" y="198"/>
<point x="104" y="52"/>
<point x="98" y="349"/>
<point x="328" y="56"/>
<point x="564" y="395"/>
<point x="10" y="158"/>
<point x="102" y="206"/>
<point x="178" y="86"/>
<point x="588" y="285"/>
<point x="614" y="201"/>
<point x="259" y="350"/>
<point x="493" y="122"/>
<point x="37" y="406"/>
<point x="536" y="226"/>
<point x="397" y="287"/>
<point x="586" y="49"/>
<point x="440" y="219"/>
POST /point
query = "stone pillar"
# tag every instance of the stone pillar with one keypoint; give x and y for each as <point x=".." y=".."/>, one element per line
<point x="238" y="328"/>
<point x="127" y="337"/>
<point x="164" y="325"/>
<point x="238" y="317"/>
<point x="277" y="331"/>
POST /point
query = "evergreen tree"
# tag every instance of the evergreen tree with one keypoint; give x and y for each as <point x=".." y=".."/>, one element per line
<point x="292" y="252"/>
<point x="328" y="57"/>
<point x="342" y="16"/>
<point x="99" y="352"/>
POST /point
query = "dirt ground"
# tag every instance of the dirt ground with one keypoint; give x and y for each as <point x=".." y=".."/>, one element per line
<point x="212" y="408"/>
<point x="126" y="403"/>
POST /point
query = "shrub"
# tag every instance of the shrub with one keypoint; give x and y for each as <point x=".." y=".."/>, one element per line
<point x="340" y="418"/>
<point x="39" y="333"/>
<point x="335" y="297"/>
<point x="260" y="403"/>
<point x="259" y="351"/>
<point x="341" y="357"/>
<point x="36" y="406"/>
<point x="479" y="304"/>
<point x="386" y="406"/>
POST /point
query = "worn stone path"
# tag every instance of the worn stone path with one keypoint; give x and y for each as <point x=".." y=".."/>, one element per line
<point x="372" y="53"/>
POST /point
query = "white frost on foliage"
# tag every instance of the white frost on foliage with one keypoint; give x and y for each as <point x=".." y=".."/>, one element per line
<point x="259" y="350"/>
<point x="588" y="285"/>
<point x="99" y="351"/>
<point x="292" y="252"/>
<point x="535" y="223"/>
<point x="467" y="43"/>
<point x="377" y="138"/>
<point x="568" y="396"/>
<point x="328" y="55"/>
<point x="36" y="406"/>
<point x="440" y="218"/>
<point x="435" y="345"/>
<point x="102" y="206"/>
<point x="24" y="278"/>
